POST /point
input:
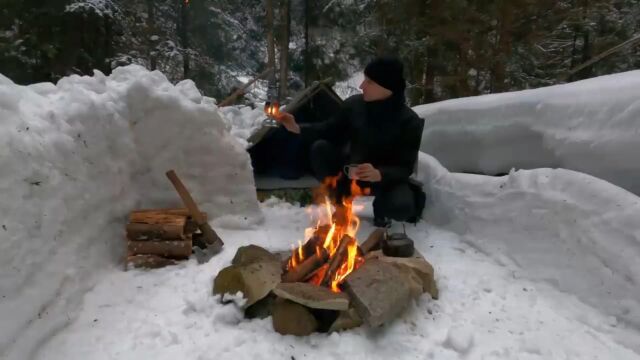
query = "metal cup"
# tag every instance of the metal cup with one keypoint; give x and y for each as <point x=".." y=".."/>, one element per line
<point x="350" y="171"/>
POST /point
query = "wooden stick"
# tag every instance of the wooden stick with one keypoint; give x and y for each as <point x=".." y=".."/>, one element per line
<point x="229" y="100"/>
<point x="601" y="56"/>
<point x="336" y="260"/>
<point x="307" y="266"/>
<point x="373" y="241"/>
<point x="210" y="236"/>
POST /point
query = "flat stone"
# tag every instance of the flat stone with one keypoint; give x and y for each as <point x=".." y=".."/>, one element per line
<point x="416" y="263"/>
<point x="254" y="280"/>
<point x="378" y="290"/>
<point x="348" y="319"/>
<point x="290" y="318"/>
<point x="253" y="253"/>
<point x="313" y="296"/>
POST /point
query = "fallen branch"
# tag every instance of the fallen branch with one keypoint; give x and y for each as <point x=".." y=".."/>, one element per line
<point x="231" y="98"/>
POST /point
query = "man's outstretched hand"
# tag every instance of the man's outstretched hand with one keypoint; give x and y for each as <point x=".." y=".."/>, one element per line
<point x="367" y="172"/>
<point x="289" y="122"/>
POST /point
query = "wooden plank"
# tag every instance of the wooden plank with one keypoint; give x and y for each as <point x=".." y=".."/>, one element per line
<point x="169" y="249"/>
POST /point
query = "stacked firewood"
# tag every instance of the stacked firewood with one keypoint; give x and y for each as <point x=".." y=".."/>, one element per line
<point x="160" y="237"/>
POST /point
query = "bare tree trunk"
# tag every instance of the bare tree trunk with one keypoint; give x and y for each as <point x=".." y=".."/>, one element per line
<point x="271" y="50"/>
<point x="429" y="79"/>
<point x="151" y="26"/>
<point x="184" y="36"/>
<point x="503" y="46"/>
<point x="307" y="59"/>
<point x="284" y="48"/>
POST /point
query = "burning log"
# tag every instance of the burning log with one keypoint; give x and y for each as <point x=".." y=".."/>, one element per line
<point x="336" y="260"/>
<point x="311" y="263"/>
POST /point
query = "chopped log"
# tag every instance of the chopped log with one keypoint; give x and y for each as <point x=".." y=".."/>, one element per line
<point x="306" y="267"/>
<point x="147" y="232"/>
<point x="374" y="241"/>
<point x="170" y="211"/>
<point x="190" y="227"/>
<point x="148" y="261"/>
<point x="170" y="249"/>
<point x="337" y="259"/>
<point x="157" y="218"/>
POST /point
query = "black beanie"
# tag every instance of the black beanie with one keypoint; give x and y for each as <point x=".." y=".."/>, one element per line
<point x="387" y="71"/>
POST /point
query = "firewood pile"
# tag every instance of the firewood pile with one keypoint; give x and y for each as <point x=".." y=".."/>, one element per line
<point x="305" y="297"/>
<point x="160" y="237"/>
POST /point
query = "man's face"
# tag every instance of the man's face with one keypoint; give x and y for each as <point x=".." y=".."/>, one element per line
<point x="371" y="91"/>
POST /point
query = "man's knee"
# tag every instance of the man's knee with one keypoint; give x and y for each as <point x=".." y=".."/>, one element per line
<point x="396" y="203"/>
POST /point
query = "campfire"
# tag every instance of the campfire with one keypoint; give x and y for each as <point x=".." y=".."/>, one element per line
<point x="330" y="252"/>
<point x="329" y="281"/>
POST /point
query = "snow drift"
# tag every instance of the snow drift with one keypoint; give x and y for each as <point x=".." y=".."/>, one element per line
<point x="571" y="230"/>
<point x="76" y="157"/>
<point x="591" y="126"/>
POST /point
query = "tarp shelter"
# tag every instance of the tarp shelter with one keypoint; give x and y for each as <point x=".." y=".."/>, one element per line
<point x="276" y="153"/>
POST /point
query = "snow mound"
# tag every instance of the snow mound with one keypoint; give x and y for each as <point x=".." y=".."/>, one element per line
<point x="591" y="126"/>
<point x="568" y="229"/>
<point x="243" y="121"/>
<point x="76" y="157"/>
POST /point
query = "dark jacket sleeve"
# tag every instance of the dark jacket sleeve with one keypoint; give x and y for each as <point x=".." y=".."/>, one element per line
<point x="407" y="154"/>
<point x="335" y="129"/>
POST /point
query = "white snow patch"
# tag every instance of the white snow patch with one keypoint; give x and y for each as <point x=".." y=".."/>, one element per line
<point x="571" y="230"/>
<point x="459" y="339"/>
<point x="76" y="157"/>
<point x="243" y="121"/>
<point x="591" y="126"/>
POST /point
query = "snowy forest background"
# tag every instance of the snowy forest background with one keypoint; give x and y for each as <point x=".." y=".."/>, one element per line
<point x="451" y="48"/>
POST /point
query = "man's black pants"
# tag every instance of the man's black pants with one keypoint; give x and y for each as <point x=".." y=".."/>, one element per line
<point x="394" y="201"/>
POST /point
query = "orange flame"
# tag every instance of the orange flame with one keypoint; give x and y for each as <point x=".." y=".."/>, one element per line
<point x="342" y="222"/>
<point x="272" y="109"/>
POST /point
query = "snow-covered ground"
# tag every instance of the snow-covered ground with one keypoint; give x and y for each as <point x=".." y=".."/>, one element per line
<point x="591" y="126"/>
<point x="484" y="312"/>
<point x="537" y="264"/>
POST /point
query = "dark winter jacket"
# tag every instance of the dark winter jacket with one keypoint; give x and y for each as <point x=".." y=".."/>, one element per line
<point x="385" y="133"/>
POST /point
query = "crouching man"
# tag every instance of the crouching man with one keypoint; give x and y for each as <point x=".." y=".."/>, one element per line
<point x="374" y="139"/>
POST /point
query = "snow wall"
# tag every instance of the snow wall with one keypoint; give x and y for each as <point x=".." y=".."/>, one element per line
<point x="75" y="158"/>
<point x="573" y="231"/>
<point x="591" y="126"/>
